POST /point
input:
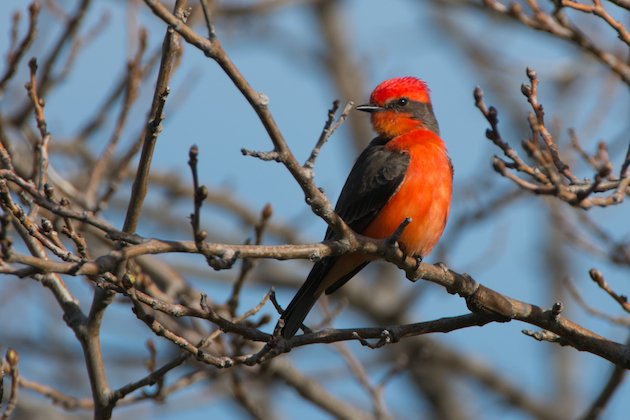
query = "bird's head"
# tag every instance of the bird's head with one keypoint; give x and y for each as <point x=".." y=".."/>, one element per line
<point x="400" y="105"/>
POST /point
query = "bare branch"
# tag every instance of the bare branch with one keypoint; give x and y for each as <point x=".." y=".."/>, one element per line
<point x="170" y="53"/>
<point x="15" y="55"/>
<point x="12" y="359"/>
<point x="615" y="380"/>
<point x="598" y="278"/>
<point x="545" y="173"/>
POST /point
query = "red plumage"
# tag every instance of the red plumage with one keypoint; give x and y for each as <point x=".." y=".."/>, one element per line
<point x="424" y="195"/>
<point x="410" y="87"/>
<point x="404" y="172"/>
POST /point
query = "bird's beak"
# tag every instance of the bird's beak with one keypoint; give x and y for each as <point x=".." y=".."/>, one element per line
<point x="369" y="108"/>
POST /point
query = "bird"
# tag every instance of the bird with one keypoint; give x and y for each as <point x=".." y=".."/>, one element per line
<point x="404" y="172"/>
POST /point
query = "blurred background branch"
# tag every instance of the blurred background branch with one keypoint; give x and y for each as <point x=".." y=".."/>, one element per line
<point x="94" y="132"/>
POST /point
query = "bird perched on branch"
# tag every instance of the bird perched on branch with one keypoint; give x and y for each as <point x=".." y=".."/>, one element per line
<point x="404" y="172"/>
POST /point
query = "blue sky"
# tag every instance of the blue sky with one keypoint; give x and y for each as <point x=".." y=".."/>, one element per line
<point x="389" y="39"/>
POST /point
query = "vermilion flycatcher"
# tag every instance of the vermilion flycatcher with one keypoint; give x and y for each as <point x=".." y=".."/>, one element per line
<point x="404" y="172"/>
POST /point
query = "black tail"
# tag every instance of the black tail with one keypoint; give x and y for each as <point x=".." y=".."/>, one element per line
<point x="305" y="298"/>
<point x="311" y="290"/>
<point x="297" y="310"/>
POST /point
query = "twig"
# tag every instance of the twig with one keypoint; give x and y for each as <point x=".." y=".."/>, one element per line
<point x="612" y="385"/>
<point x="576" y="145"/>
<point x="12" y="358"/>
<point x="206" y="16"/>
<point x="15" y="55"/>
<point x="200" y="194"/>
<point x="75" y="237"/>
<point x="91" y="344"/>
<point x="490" y="305"/>
<point x="483" y="299"/>
<point x="310" y="162"/>
<point x="65" y="211"/>
<point x="218" y="262"/>
<point x="330" y="127"/>
<point x="598" y="278"/>
<point x="344" y="66"/>
<point x="69" y="32"/>
<point x="545" y="174"/>
<point x="546" y="336"/>
<point x="160" y="330"/>
<point x="493" y="134"/>
<point x="318" y="202"/>
<point x="598" y="9"/>
<point x="57" y="397"/>
<point x="624" y="179"/>
<point x="31" y="227"/>
<point x="561" y="27"/>
<point x="531" y="93"/>
<point x="41" y="148"/>
<point x="170" y="53"/>
<point x="603" y="173"/>
<point x="139" y="188"/>
<point x="593" y="311"/>
<point x="266" y="156"/>
<point x="151" y="379"/>
<point x="247" y="264"/>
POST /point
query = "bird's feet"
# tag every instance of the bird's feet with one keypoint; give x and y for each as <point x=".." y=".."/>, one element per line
<point x="411" y="273"/>
<point x="418" y="259"/>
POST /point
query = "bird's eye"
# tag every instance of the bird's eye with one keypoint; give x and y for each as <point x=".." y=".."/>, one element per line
<point x="403" y="101"/>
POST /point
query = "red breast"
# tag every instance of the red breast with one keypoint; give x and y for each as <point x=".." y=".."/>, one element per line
<point x="424" y="195"/>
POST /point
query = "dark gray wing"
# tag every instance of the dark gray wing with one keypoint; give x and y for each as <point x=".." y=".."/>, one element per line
<point x="373" y="180"/>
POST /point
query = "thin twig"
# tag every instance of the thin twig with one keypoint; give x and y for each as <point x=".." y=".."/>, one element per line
<point x="598" y="278"/>
<point x="15" y="55"/>
<point x="247" y="263"/>
<point x="207" y="18"/>
<point x="67" y="35"/>
<point x="41" y="155"/>
<point x="625" y="321"/>
<point x="330" y="127"/>
<point x="170" y="53"/>
<point x="12" y="358"/>
<point x="545" y="174"/>
<point x="613" y="384"/>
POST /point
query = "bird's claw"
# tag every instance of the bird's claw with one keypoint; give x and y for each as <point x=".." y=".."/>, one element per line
<point x="418" y="259"/>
